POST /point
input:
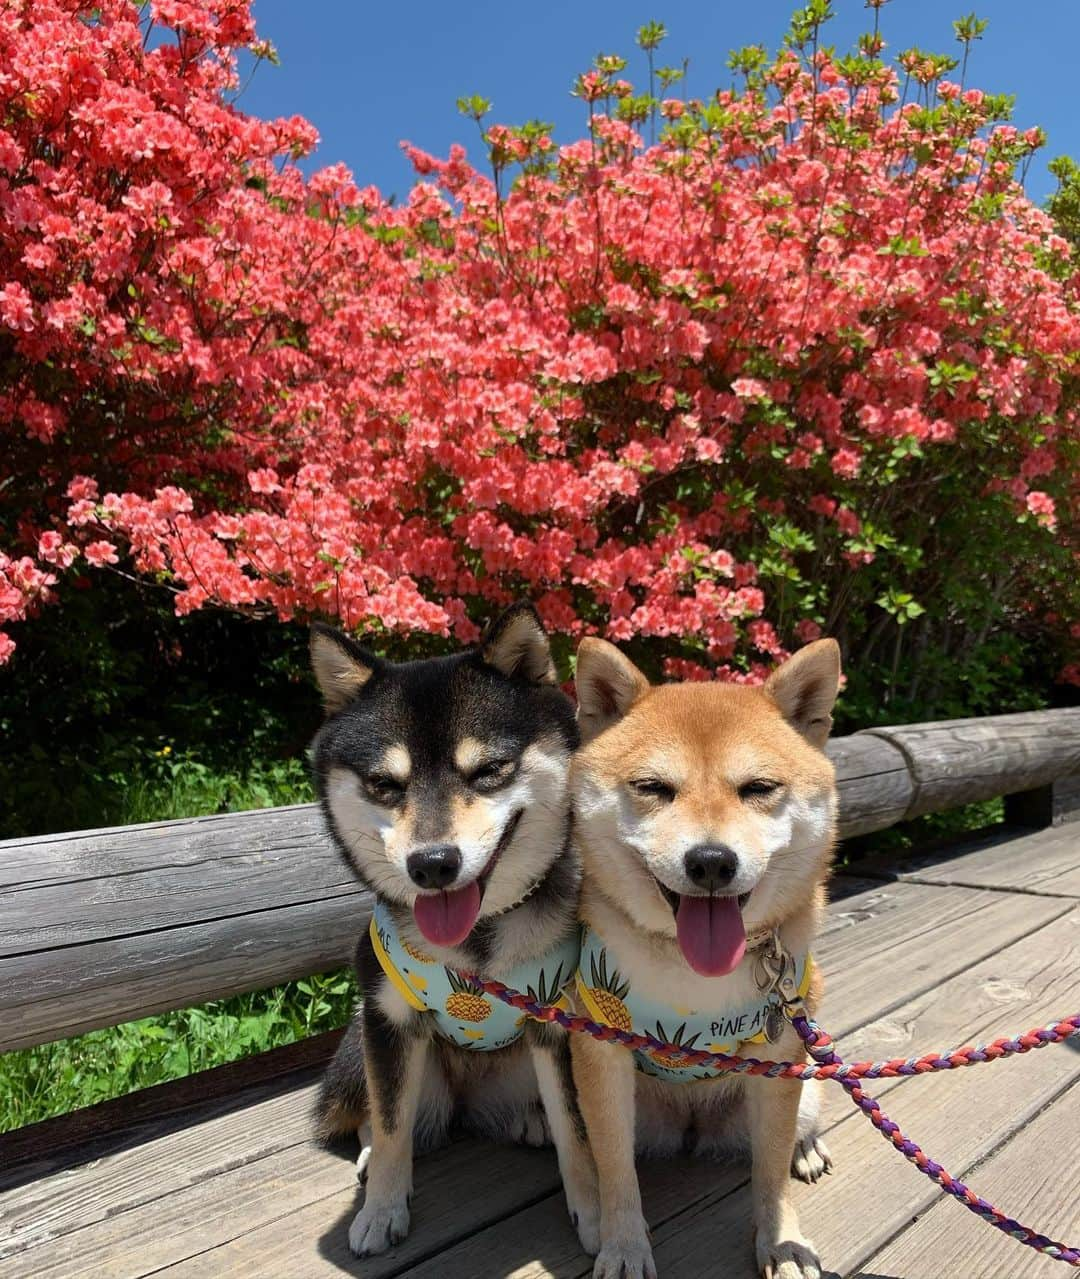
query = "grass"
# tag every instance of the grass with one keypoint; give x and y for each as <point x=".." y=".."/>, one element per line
<point x="51" y="1079"/>
<point x="139" y="783"/>
<point x="186" y="787"/>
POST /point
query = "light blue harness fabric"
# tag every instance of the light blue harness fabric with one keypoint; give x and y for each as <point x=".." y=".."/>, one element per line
<point x="461" y="1010"/>
<point x="610" y="999"/>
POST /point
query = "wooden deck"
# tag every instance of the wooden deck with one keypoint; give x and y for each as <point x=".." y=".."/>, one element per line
<point x="922" y="952"/>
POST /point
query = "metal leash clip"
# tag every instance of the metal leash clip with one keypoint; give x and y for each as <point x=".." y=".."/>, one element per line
<point x="775" y="975"/>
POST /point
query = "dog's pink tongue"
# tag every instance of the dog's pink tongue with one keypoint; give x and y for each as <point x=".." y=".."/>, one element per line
<point x="711" y="934"/>
<point x="447" y="918"/>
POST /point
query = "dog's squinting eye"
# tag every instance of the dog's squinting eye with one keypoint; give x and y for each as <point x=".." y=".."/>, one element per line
<point x="653" y="788"/>
<point x="384" y="789"/>
<point x="493" y="774"/>
<point x="759" y="788"/>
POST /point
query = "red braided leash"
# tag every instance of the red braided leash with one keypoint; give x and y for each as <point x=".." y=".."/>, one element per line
<point x="827" y="1064"/>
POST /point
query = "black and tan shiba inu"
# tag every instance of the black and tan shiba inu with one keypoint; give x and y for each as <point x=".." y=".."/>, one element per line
<point x="705" y="814"/>
<point x="444" y="783"/>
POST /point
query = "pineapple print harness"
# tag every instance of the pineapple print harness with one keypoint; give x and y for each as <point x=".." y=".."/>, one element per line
<point x="461" y="1011"/>
<point x="610" y="1000"/>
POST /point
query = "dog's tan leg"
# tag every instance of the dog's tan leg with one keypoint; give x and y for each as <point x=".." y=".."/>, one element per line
<point x="604" y="1079"/>
<point x="550" y="1051"/>
<point x="395" y="1061"/>
<point x="773" y="1108"/>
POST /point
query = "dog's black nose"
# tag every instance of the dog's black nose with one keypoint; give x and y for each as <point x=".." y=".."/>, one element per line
<point x="435" y="866"/>
<point x="711" y="866"/>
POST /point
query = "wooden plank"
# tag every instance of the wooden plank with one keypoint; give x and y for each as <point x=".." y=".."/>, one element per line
<point x="206" y="881"/>
<point x="452" y="1203"/>
<point x="157" y="1229"/>
<point x="887" y="943"/>
<point x="64" y="857"/>
<point x="150" y="973"/>
<point x="538" y="1242"/>
<point x="162" y="1161"/>
<point x="1024" y="1179"/>
<point x="961" y="761"/>
<point x="1002" y="857"/>
<point x="458" y="1189"/>
<point x="262" y="1235"/>
<point x="44" y="997"/>
<point x="112" y="925"/>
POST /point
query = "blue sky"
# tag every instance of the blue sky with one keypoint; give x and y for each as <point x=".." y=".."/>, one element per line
<point x="368" y="75"/>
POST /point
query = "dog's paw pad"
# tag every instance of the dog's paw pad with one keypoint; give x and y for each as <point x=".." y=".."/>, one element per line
<point x="811" y="1159"/>
<point x="792" y="1259"/>
<point x="625" y="1259"/>
<point x="379" y="1226"/>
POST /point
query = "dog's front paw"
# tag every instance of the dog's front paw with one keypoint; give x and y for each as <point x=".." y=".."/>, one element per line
<point x="378" y="1226"/>
<point x="811" y="1159"/>
<point x="788" y="1259"/>
<point x="629" y="1258"/>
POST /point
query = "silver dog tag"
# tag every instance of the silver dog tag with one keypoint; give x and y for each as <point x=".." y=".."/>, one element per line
<point x="774" y="1023"/>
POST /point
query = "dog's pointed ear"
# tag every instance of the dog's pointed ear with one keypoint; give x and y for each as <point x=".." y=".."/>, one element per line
<point x="517" y="645"/>
<point x="607" y="684"/>
<point x="805" y="688"/>
<point x="342" y="667"/>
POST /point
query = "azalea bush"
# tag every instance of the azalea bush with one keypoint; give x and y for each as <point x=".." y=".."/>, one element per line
<point x="711" y="380"/>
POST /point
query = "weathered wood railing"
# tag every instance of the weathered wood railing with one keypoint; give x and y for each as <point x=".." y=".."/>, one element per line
<point x="105" y="926"/>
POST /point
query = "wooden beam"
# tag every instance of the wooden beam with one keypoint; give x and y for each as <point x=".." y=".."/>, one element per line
<point x="876" y="789"/>
<point x="962" y="761"/>
<point x="106" y="926"/>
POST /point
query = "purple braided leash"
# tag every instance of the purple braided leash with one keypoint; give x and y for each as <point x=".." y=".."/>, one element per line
<point x="827" y="1064"/>
<point x="820" y="1047"/>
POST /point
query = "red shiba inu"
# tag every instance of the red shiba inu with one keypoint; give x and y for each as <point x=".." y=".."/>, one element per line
<point x="705" y="817"/>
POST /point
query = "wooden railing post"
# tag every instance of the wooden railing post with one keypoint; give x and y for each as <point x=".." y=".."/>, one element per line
<point x="1050" y="805"/>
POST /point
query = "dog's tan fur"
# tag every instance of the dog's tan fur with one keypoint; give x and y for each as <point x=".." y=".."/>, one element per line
<point x="705" y="741"/>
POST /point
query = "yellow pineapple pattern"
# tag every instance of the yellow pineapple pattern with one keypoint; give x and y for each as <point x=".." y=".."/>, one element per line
<point x="672" y="1060"/>
<point x="608" y="992"/>
<point x="466" y="1003"/>
<point x="415" y="953"/>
